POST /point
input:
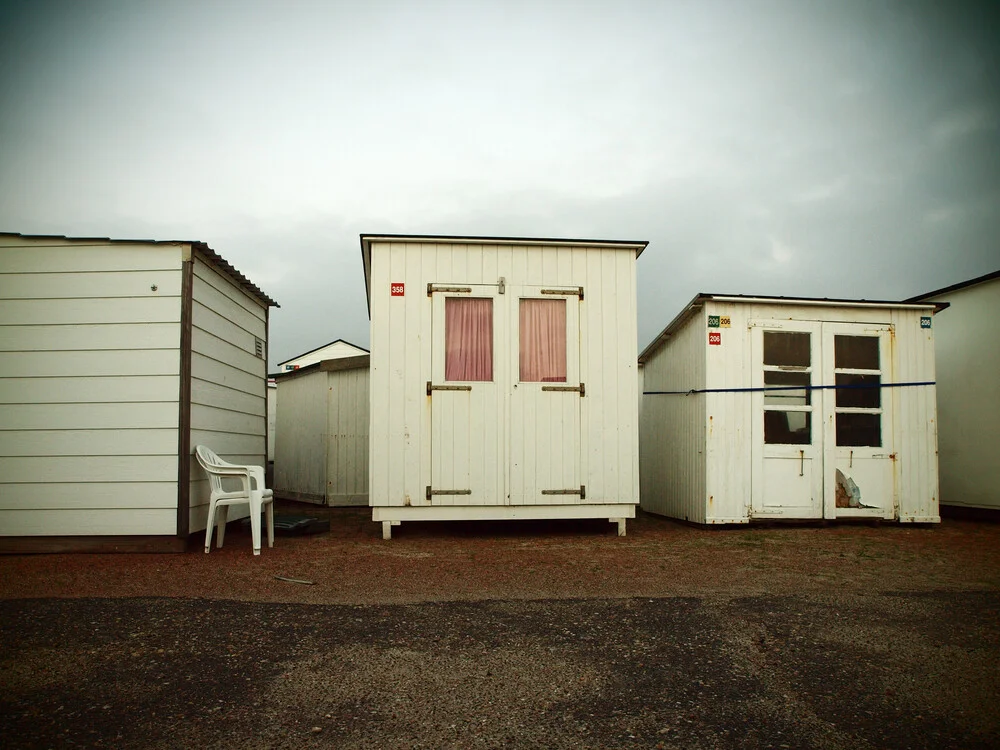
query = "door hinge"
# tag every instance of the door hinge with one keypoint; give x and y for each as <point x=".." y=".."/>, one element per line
<point x="431" y="492"/>
<point x="432" y="387"/>
<point x="565" y="292"/>
<point x="582" y="388"/>
<point x="431" y="289"/>
<point x="582" y="492"/>
<point x="502" y="285"/>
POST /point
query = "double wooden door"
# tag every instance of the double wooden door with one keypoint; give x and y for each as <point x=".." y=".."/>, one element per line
<point x="505" y="395"/>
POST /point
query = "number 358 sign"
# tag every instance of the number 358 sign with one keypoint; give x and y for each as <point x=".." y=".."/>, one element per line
<point x="396" y="289"/>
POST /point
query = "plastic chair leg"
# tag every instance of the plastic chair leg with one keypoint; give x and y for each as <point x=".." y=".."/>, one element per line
<point x="270" y="524"/>
<point x="223" y="513"/>
<point x="209" y="527"/>
<point x="255" y="502"/>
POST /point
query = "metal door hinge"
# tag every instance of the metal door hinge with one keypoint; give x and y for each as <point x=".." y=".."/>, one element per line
<point x="431" y="492"/>
<point x="582" y="492"/>
<point x="565" y="292"/>
<point x="432" y="387"/>
<point x="582" y="388"/>
<point x="463" y="289"/>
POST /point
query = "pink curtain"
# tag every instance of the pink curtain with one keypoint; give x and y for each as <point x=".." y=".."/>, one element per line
<point x="543" y="340"/>
<point x="468" y="334"/>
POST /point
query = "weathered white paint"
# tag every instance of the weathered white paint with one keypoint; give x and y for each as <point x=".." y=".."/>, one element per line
<point x="272" y="417"/>
<point x="703" y="458"/>
<point x="322" y="444"/>
<point x="967" y="340"/>
<point x="333" y="350"/>
<point x="90" y="381"/>
<point x="507" y="446"/>
<point x="89" y="363"/>
<point x="229" y="404"/>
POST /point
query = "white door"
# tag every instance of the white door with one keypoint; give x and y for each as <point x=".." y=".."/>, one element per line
<point x="857" y="421"/>
<point x="787" y="472"/>
<point x="545" y="396"/>
<point x="466" y="396"/>
<point x="821" y="420"/>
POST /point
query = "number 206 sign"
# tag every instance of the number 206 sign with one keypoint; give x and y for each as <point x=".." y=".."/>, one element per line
<point x="396" y="289"/>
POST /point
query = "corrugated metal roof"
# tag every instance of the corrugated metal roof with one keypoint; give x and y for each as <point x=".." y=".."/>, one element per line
<point x="701" y="298"/>
<point x="241" y="280"/>
<point x="335" y="341"/>
<point x="956" y="287"/>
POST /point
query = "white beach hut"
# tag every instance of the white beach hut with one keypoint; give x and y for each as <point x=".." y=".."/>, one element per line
<point x="117" y="357"/>
<point x="503" y="378"/>
<point x="790" y="408"/>
<point x="322" y="446"/>
<point x="967" y="341"/>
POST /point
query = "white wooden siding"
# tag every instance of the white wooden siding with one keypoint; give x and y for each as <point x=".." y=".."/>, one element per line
<point x="402" y="347"/>
<point x="228" y="380"/>
<point x="322" y="442"/>
<point x="672" y="434"/>
<point x="967" y="342"/>
<point x="89" y="363"/>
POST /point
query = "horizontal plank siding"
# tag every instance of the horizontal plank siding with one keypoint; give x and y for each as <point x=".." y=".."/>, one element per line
<point x="101" y="285"/>
<point x="99" y="416"/>
<point x="228" y="378"/>
<point x="116" y="363"/>
<point x="89" y="382"/>
<point x="91" y="522"/>
<point x="68" y="338"/>
<point x="56" y="495"/>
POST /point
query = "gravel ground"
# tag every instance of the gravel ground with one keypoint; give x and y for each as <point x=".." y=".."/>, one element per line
<point x="501" y="635"/>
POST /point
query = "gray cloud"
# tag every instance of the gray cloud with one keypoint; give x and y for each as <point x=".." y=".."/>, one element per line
<point x="827" y="149"/>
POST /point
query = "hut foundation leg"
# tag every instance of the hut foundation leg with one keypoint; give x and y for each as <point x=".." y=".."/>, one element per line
<point x="387" y="529"/>
<point x="621" y="525"/>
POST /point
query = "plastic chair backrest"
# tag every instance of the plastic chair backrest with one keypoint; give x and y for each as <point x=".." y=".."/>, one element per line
<point x="209" y="460"/>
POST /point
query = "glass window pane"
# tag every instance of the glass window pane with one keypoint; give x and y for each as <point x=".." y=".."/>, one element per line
<point x="543" y="341"/>
<point x="788" y="349"/>
<point x="859" y="390"/>
<point x="859" y="430"/>
<point x="856" y="352"/>
<point x="788" y="427"/>
<point x="791" y="397"/>
<point x="468" y="336"/>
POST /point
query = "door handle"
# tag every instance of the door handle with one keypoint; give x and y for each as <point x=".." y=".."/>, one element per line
<point x="802" y="462"/>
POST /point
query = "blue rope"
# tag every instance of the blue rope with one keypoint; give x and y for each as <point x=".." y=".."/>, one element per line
<point x="854" y="386"/>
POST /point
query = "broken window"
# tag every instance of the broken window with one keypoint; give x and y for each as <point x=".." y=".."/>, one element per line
<point x="468" y="334"/>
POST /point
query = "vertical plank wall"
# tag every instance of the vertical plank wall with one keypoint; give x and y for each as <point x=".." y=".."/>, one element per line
<point x="228" y="379"/>
<point x="347" y="442"/>
<point x="300" y="460"/>
<point x="89" y="363"/>
<point x="401" y="356"/>
<point x="672" y="430"/>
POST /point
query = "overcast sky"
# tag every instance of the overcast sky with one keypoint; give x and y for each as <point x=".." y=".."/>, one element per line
<point x="832" y="149"/>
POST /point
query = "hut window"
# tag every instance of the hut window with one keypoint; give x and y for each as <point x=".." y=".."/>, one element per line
<point x="468" y="333"/>
<point x="542" y="341"/>
<point x="859" y="391"/>
<point x="787" y="396"/>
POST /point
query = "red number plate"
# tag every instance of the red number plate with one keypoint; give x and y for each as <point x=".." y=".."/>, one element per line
<point x="714" y="338"/>
<point x="396" y="289"/>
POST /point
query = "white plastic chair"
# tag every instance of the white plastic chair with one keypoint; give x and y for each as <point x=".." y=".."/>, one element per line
<point x="252" y="492"/>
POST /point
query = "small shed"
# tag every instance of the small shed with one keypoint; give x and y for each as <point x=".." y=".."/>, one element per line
<point x="759" y="408"/>
<point x="503" y="378"/>
<point x="118" y="357"/>
<point x="321" y="452"/>
<point x="967" y="340"/>
<point x="333" y="350"/>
